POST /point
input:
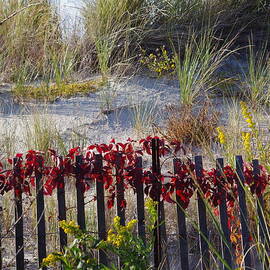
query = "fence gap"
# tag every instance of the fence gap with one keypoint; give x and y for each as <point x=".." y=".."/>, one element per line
<point x="101" y="221"/>
<point x="204" y="249"/>
<point x="61" y="207"/>
<point x="181" y="223"/>
<point x="223" y="215"/>
<point x="160" y="228"/>
<point x="243" y="212"/>
<point x="263" y="230"/>
<point x="140" y="199"/>
<point x="41" y="227"/>
<point x="80" y="193"/>
<point x="18" y="217"/>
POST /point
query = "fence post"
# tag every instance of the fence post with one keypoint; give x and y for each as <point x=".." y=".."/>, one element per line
<point x="243" y="212"/>
<point x="263" y="230"/>
<point x="140" y="199"/>
<point x="61" y="207"/>
<point x="160" y="228"/>
<point x="101" y="222"/>
<point x="223" y="214"/>
<point x="40" y="214"/>
<point x="181" y="222"/>
<point x="204" y="249"/>
<point x="80" y="194"/>
<point x="18" y="218"/>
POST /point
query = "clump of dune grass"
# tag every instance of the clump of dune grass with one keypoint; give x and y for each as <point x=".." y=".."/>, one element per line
<point x="40" y="133"/>
<point x="26" y="38"/>
<point x="115" y="28"/>
<point x="256" y="83"/>
<point x="197" y="64"/>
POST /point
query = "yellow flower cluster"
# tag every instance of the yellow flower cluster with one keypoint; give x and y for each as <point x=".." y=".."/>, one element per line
<point x="51" y="259"/>
<point x="69" y="227"/>
<point x="118" y="234"/>
<point x="221" y="135"/>
<point x="160" y="62"/>
<point x="247" y="115"/>
<point x="246" y="138"/>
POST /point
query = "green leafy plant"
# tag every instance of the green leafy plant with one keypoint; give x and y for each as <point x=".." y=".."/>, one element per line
<point x="132" y="251"/>
<point x="78" y="255"/>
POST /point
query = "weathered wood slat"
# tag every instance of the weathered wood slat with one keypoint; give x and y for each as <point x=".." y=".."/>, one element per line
<point x="41" y="227"/>
<point x="120" y="196"/>
<point x="80" y="195"/>
<point x="263" y="230"/>
<point x="243" y="212"/>
<point x="181" y="223"/>
<point x="223" y="215"/>
<point x="157" y="230"/>
<point x="101" y="221"/>
<point x="1" y="220"/>
<point x="120" y="191"/>
<point x="61" y="199"/>
<point x="140" y="199"/>
<point x="18" y="220"/>
<point x="260" y="206"/>
<point x="204" y="248"/>
<point x="160" y="228"/>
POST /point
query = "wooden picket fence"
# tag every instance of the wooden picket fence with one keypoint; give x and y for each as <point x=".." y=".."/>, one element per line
<point x="160" y="230"/>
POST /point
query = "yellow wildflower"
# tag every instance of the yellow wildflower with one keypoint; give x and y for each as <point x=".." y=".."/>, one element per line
<point x="69" y="227"/>
<point x="131" y="224"/>
<point x="51" y="259"/>
<point x="116" y="222"/>
<point x="221" y="136"/>
<point x="118" y="234"/>
<point x="246" y="138"/>
<point x="247" y="115"/>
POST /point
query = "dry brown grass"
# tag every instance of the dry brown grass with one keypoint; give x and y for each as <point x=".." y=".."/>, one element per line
<point x="192" y="125"/>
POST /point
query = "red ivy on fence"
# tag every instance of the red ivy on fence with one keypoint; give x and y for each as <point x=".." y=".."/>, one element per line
<point x="119" y="164"/>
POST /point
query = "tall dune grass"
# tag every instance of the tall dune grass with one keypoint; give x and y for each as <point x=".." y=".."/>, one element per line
<point x="27" y="37"/>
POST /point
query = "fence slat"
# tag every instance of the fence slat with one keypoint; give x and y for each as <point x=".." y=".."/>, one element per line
<point x="204" y="249"/>
<point x="263" y="230"/>
<point x="40" y="217"/>
<point x="62" y="210"/>
<point x="243" y="212"/>
<point x="101" y="222"/>
<point x="223" y="214"/>
<point x="120" y="197"/>
<point x="181" y="223"/>
<point x="140" y="199"/>
<point x="1" y="220"/>
<point x="80" y="194"/>
<point x="18" y="220"/>
<point x="260" y="205"/>
<point x="160" y="228"/>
